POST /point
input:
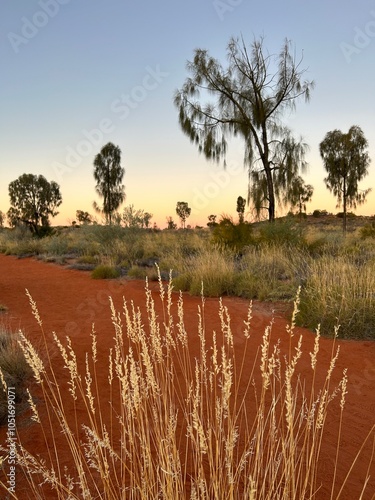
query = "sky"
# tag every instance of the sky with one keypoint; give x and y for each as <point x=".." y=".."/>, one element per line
<point x="77" y="74"/>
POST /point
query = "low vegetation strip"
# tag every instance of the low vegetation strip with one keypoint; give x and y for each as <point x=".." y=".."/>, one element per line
<point x="254" y="261"/>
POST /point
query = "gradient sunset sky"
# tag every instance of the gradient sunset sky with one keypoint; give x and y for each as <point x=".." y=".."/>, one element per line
<point x="77" y="74"/>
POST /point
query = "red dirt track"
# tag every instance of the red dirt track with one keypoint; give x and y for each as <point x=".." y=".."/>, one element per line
<point x="69" y="301"/>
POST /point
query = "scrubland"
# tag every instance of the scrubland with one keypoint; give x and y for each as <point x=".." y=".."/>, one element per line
<point x="259" y="261"/>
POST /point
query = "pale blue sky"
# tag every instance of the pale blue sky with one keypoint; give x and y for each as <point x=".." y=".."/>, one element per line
<point x="69" y="67"/>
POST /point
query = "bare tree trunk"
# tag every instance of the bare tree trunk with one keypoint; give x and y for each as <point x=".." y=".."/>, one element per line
<point x="344" y="225"/>
<point x="271" y="196"/>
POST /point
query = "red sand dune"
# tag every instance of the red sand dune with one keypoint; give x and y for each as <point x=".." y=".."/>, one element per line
<point x="69" y="301"/>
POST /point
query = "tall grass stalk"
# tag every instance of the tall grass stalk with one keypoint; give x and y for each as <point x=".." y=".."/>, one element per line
<point x="169" y="411"/>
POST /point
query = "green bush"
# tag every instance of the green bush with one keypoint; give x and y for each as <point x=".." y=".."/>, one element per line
<point x="182" y="282"/>
<point x="281" y="232"/>
<point x="270" y="273"/>
<point x="319" y="213"/>
<point x="350" y="215"/>
<point x="19" y="241"/>
<point x="233" y="236"/>
<point x="142" y="272"/>
<point x="368" y="231"/>
<point x="317" y="246"/>
<point x="87" y="259"/>
<point x="103" y="272"/>
<point x="57" y="245"/>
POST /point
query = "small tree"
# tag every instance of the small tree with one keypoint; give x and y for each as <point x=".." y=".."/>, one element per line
<point x="33" y="200"/>
<point x="146" y="219"/>
<point x="211" y="221"/>
<point x="12" y="217"/>
<point x="300" y="194"/>
<point x="108" y="174"/>
<point x="346" y="160"/>
<point x="241" y="203"/>
<point x="83" y="217"/>
<point x="135" y="218"/>
<point x="132" y="217"/>
<point x="2" y="218"/>
<point x="183" y="211"/>
<point x="170" y="223"/>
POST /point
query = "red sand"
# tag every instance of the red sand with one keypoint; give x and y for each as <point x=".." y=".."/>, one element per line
<point x="70" y="301"/>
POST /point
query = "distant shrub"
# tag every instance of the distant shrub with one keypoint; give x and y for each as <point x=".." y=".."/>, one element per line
<point x="137" y="272"/>
<point x="319" y="213"/>
<point x="351" y="215"/>
<point x="19" y="241"/>
<point x="270" y="273"/>
<point x="81" y="266"/>
<point x="233" y="236"/>
<point x="104" y="234"/>
<point x="142" y="272"/>
<point x="57" y="245"/>
<point x="103" y="272"/>
<point x="87" y="259"/>
<point x="368" y="231"/>
<point x="281" y="232"/>
<point x="182" y="282"/>
<point x="317" y="246"/>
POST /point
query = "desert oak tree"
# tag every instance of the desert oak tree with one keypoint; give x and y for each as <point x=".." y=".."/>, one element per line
<point x="108" y="175"/>
<point x="346" y="160"/>
<point x="300" y="194"/>
<point x="83" y="217"/>
<point x="250" y="98"/>
<point x="241" y="203"/>
<point x="183" y="211"/>
<point x="33" y="200"/>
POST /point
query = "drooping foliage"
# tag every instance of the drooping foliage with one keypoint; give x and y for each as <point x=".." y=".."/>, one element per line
<point x="251" y="97"/>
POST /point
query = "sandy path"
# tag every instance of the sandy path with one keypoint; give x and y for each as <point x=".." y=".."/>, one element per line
<point x="70" y="301"/>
